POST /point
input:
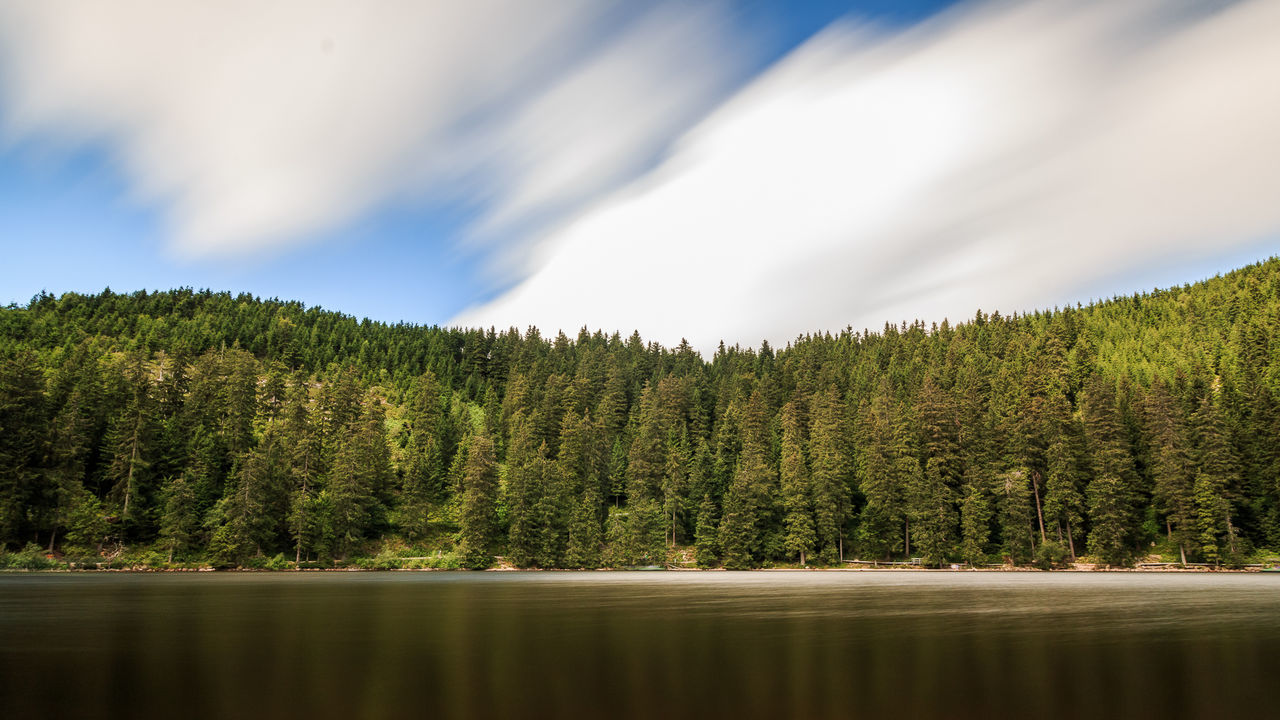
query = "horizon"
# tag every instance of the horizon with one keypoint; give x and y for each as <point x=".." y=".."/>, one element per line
<point x="572" y="337"/>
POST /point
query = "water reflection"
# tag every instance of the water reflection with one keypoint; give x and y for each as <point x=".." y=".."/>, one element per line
<point x="637" y="645"/>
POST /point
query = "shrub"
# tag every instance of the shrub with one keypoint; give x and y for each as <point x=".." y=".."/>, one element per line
<point x="279" y="563"/>
<point x="1051" y="555"/>
<point x="31" y="557"/>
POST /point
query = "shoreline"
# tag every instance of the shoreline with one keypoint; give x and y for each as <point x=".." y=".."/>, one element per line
<point x="1006" y="569"/>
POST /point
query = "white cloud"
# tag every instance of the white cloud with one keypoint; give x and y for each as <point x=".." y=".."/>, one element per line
<point x="1002" y="157"/>
<point x="259" y="124"/>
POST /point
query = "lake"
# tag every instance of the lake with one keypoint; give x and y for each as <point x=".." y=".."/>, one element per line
<point x="639" y="645"/>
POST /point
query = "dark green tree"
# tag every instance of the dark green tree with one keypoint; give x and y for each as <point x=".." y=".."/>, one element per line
<point x="797" y="485"/>
<point x="478" y="521"/>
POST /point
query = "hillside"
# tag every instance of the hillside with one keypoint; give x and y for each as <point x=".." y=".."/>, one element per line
<point x="186" y="426"/>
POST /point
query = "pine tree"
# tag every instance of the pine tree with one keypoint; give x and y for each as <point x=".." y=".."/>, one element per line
<point x="552" y="514"/>
<point x="1216" y="477"/>
<point x="908" y="479"/>
<point x="422" y="483"/>
<point x="1171" y="467"/>
<point x="360" y="473"/>
<point x="643" y="541"/>
<point x="975" y="517"/>
<point x="1063" y="499"/>
<point x="1110" y="493"/>
<point x="933" y="513"/>
<point x="831" y="470"/>
<point x="706" y="534"/>
<point x="882" y="517"/>
<point x="1013" y="497"/>
<point x="524" y="488"/>
<point x="179" y="522"/>
<point x="1110" y="514"/>
<point x="127" y="445"/>
<point x="749" y="503"/>
<point x="246" y="522"/>
<point x="239" y="400"/>
<point x="797" y="485"/>
<point x="86" y="520"/>
<point x="675" y="485"/>
<point x="69" y="449"/>
<point x="647" y="460"/>
<point x="305" y="448"/>
<point x="478" y="518"/>
<point x="580" y="466"/>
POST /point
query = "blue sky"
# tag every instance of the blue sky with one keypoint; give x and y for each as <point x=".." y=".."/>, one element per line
<point x="850" y="163"/>
<point x="68" y="222"/>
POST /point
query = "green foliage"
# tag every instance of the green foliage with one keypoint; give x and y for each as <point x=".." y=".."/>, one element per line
<point x="797" y="487"/>
<point x="634" y="535"/>
<point x="1052" y="555"/>
<point x="476" y="537"/>
<point x="30" y="557"/>
<point x="1108" y="508"/>
<point x="975" y="521"/>
<point x="180" y="425"/>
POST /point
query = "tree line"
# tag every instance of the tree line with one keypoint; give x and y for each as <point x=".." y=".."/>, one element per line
<point x="206" y="427"/>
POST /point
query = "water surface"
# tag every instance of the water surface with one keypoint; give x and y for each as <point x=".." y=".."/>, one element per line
<point x="639" y="645"/>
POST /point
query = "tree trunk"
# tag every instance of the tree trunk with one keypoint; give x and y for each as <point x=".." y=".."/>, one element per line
<point x="1182" y="551"/>
<point x="128" y="483"/>
<point x="906" y="536"/>
<point x="53" y="536"/>
<point x="1035" y="488"/>
<point x="801" y="558"/>
<point x="1071" y="542"/>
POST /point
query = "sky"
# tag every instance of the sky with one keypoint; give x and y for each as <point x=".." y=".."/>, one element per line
<point x="708" y="171"/>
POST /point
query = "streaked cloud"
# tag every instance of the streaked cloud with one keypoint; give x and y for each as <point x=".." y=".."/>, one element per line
<point x="1004" y="156"/>
<point x="257" y="125"/>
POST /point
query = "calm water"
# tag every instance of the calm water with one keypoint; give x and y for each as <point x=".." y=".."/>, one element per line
<point x="639" y="645"/>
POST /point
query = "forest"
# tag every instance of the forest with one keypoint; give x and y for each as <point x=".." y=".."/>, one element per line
<point x="188" y="428"/>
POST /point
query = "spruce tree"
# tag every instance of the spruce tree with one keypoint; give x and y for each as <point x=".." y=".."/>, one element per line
<point x="179" y="523"/>
<point x="797" y="486"/>
<point x="975" y="517"/>
<point x="675" y="485"/>
<point x="359" y="474"/>
<point x="580" y="466"/>
<point x="478" y="519"/>
<point x="1015" y="514"/>
<point x="706" y="534"/>
<point x="749" y="505"/>
<point x="1110" y="492"/>
<point x="524" y="489"/>
<point x="1216" y="478"/>
<point x="246" y="523"/>
<point x="1064" y="500"/>
<point x="831" y="469"/>
<point x="882" y="519"/>
<point x="423" y="472"/>
<point x="1171" y="467"/>
<point x="127" y="445"/>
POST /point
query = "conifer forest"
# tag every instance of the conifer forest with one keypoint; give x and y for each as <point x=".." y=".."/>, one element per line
<point x="194" y="427"/>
